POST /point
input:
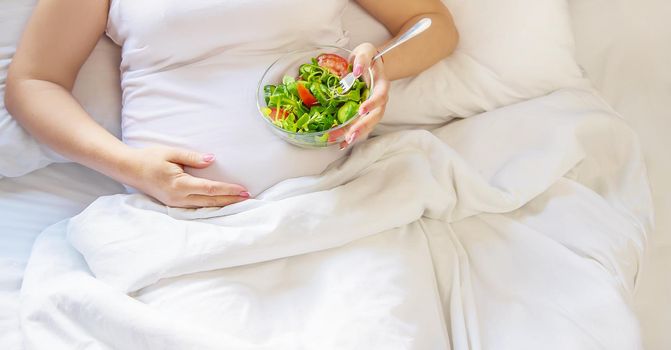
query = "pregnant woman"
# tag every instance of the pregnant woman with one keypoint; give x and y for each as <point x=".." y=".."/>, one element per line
<point x="192" y="136"/>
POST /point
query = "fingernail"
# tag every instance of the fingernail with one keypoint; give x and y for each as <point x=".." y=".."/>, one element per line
<point x="358" y="70"/>
<point x="244" y="194"/>
<point x="352" y="137"/>
<point x="363" y="111"/>
<point x="343" y="147"/>
<point x="208" y="157"/>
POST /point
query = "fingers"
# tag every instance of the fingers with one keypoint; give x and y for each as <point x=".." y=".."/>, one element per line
<point x="202" y="201"/>
<point x="361" y="58"/>
<point x="193" y="185"/>
<point x="362" y="127"/>
<point x="192" y="192"/>
<point x="380" y="94"/>
<point x="190" y="158"/>
<point x="162" y="176"/>
<point x="372" y="110"/>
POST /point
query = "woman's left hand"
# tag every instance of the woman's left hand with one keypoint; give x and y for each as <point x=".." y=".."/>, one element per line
<point x="371" y="110"/>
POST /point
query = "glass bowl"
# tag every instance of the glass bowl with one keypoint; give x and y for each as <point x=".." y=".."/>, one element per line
<point x="288" y="64"/>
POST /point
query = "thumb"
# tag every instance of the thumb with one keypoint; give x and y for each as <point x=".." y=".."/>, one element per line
<point x="190" y="158"/>
<point x="361" y="59"/>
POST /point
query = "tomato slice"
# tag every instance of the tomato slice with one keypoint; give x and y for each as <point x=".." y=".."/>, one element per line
<point x="334" y="63"/>
<point x="306" y="96"/>
<point x="278" y="114"/>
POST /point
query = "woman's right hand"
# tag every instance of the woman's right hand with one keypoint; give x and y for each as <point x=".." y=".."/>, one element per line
<point x="159" y="172"/>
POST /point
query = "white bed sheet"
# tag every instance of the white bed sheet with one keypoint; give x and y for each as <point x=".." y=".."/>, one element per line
<point x="625" y="48"/>
<point x="28" y="204"/>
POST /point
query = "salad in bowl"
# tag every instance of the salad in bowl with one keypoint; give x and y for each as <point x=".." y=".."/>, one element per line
<point x="300" y="98"/>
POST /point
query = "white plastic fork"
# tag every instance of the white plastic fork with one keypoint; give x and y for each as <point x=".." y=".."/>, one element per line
<point x="423" y="24"/>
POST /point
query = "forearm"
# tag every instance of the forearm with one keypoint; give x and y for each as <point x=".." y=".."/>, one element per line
<point x="423" y="51"/>
<point x="52" y="115"/>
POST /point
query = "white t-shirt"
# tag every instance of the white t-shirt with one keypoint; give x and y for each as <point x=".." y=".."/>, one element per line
<point x="190" y="70"/>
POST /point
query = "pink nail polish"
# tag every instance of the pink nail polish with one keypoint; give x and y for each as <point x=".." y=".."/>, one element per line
<point x="244" y="194"/>
<point x="208" y="157"/>
<point x="358" y="70"/>
<point x="352" y="137"/>
<point x="363" y="111"/>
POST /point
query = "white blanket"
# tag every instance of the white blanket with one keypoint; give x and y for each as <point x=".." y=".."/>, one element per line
<point x="520" y="228"/>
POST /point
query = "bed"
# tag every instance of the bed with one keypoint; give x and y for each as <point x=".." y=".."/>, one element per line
<point x="597" y="265"/>
<point x="28" y="205"/>
<point x="612" y="56"/>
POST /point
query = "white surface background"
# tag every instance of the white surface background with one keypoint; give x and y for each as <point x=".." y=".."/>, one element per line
<point x="625" y="48"/>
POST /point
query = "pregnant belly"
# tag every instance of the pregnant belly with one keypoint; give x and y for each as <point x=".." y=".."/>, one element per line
<point x="258" y="160"/>
<point x="251" y="157"/>
<point x="246" y="151"/>
<point x="213" y="110"/>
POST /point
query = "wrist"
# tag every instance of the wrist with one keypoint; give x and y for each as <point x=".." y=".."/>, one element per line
<point x="128" y="168"/>
<point x="120" y="162"/>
